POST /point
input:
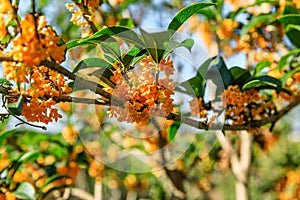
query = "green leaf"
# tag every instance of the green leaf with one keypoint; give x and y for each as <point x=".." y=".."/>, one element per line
<point x="290" y="19"/>
<point x="29" y="156"/>
<point x="25" y="191"/>
<point x="188" y="43"/>
<point x="154" y="43"/>
<point x="240" y="76"/>
<point x="126" y="22"/>
<point x="284" y="58"/>
<point x="293" y="36"/>
<point x="261" y="65"/>
<point x="173" y="130"/>
<point x="224" y="72"/>
<point x="261" y="81"/>
<point x="90" y="63"/>
<point x="286" y="76"/>
<point x="291" y="27"/>
<point x="16" y="107"/>
<point x="6" y="134"/>
<point x="186" y="13"/>
<point x="103" y="34"/>
<point x="256" y="20"/>
<point x="131" y="54"/>
<point x="112" y="49"/>
<point x="193" y="86"/>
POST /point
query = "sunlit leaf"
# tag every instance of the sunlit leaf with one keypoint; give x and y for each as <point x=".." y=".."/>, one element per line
<point x="25" y="191"/>
<point x="186" y="13"/>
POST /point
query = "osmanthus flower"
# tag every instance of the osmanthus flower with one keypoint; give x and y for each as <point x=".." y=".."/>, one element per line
<point x="35" y="43"/>
<point x="244" y="106"/>
<point x="144" y="94"/>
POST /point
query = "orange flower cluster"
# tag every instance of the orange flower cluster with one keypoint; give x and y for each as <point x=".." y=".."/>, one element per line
<point x="80" y="19"/>
<point x="5" y="15"/>
<point x="33" y="45"/>
<point x="244" y="106"/>
<point x="289" y="188"/>
<point x="227" y="28"/>
<point x="145" y="96"/>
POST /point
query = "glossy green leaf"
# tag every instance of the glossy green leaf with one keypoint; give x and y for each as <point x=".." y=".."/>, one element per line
<point x="111" y="48"/>
<point x="290" y="19"/>
<point x="255" y="20"/>
<point x="25" y="191"/>
<point x="102" y="35"/>
<point x="173" y="130"/>
<point x="186" y="13"/>
<point x="239" y="75"/>
<point x="263" y="81"/>
<point x="188" y="43"/>
<point x="154" y="43"/>
<point x="193" y="86"/>
<point x="131" y="54"/>
<point x="16" y="107"/>
<point x="283" y="60"/>
<point x="288" y="75"/>
<point x="261" y="65"/>
<point x="291" y="27"/>
<point x="91" y="63"/>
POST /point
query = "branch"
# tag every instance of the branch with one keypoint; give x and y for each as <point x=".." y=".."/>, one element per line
<point x="80" y="100"/>
<point x="88" y="84"/>
<point x="248" y="126"/>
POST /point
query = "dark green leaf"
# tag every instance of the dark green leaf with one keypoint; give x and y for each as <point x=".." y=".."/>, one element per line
<point x="293" y="36"/>
<point x="173" y="130"/>
<point x="186" y="13"/>
<point x="126" y="22"/>
<point x="103" y="34"/>
<point x="225" y="73"/>
<point x="240" y="76"/>
<point x="90" y="63"/>
<point x="193" y="86"/>
<point x="263" y="81"/>
<point x="16" y="107"/>
<point x="131" y="54"/>
<point x="25" y="191"/>
<point x="290" y="19"/>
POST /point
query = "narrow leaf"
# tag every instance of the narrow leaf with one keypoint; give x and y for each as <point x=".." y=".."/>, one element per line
<point x="186" y="13"/>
